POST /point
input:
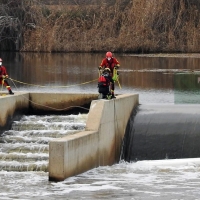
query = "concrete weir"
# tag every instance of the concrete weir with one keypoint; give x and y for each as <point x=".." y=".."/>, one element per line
<point x="12" y="107"/>
<point x="98" y="145"/>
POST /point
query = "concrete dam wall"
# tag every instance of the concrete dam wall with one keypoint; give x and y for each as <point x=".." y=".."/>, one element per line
<point x="100" y="143"/>
<point x="151" y="132"/>
<point x="163" y="131"/>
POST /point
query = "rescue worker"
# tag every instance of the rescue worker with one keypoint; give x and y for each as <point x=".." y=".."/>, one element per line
<point x="111" y="63"/>
<point x="3" y="76"/>
<point x="105" y="82"/>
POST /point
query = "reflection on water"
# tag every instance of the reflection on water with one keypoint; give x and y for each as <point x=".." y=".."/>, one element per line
<point x="77" y="72"/>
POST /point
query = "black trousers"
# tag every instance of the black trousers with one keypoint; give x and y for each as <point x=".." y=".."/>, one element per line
<point x="104" y="90"/>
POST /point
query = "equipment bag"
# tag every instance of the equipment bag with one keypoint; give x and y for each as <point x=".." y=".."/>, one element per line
<point x="102" y="82"/>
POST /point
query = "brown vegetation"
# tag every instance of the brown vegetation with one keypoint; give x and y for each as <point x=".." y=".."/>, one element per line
<point x="116" y="25"/>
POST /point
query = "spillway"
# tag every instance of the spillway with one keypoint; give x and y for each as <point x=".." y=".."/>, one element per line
<point x="162" y="132"/>
<point x="26" y="146"/>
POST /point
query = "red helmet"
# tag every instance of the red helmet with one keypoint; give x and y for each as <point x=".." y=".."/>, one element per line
<point x="1" y="60"/>
<point x="109" y="54"/>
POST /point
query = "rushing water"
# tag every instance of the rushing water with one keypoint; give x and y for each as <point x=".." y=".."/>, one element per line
<point x="25" y="147"/>
<point x="155" y="79"/>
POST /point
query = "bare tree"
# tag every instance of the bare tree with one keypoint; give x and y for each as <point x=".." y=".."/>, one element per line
<point x="15" y="16"/>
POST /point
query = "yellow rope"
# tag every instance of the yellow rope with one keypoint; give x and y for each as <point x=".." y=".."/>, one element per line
<point x="54" y="86"/>
<point x="67" y="108"/>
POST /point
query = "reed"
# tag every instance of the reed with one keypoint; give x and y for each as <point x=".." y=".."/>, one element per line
<point x="139" y="26"/>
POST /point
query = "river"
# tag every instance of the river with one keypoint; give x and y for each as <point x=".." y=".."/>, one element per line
<point x="158" y="79"/>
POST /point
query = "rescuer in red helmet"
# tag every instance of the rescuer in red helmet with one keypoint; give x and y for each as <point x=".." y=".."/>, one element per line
<point x="111" y="63"/>
<point x="3" y="77"/>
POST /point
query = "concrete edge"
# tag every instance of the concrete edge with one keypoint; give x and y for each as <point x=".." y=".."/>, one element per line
<point x="98" y="145"/>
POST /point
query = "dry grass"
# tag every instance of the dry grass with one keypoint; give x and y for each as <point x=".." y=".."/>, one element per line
<point x="126" y="26"/>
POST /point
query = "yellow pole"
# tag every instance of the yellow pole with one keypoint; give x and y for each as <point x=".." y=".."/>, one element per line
<point x="115" y="74"/>
<point x="2" y="84"/>
<point x="119" y="83"/>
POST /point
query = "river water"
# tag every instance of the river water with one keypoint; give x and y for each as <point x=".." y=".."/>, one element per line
<point x="158" y="79"/>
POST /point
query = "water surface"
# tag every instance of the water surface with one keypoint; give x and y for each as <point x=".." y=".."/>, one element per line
<point x="153" y="77"/>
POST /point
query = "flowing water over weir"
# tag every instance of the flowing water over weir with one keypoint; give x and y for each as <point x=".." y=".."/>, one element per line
<point x="25" y="147"/>
<point x="166" y="131"/>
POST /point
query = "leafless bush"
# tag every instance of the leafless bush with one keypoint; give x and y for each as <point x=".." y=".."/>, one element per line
<point x="15" y="16"/>
<point x="101" y="25"/>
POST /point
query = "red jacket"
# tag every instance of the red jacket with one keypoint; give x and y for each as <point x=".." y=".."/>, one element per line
<point x="109" y="63"/>
<point x="2" y="72"/>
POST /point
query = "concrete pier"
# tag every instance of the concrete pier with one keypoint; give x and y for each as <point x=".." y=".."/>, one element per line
<point x="98" y="145"/>
<point x="12" y="108"/>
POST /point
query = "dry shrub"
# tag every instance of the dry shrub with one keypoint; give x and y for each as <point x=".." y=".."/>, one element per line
<point x="120" y="25"/>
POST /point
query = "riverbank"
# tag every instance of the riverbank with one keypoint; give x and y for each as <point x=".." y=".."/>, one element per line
<point x="137" y="26"/>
